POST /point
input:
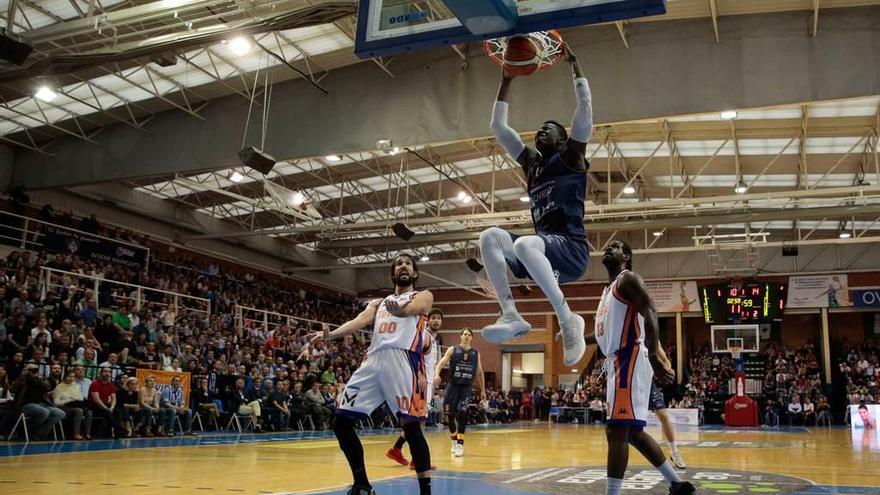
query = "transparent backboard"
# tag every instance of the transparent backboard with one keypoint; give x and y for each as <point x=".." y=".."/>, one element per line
<point x="745" y="337"/>
<point x="387" y="27"/>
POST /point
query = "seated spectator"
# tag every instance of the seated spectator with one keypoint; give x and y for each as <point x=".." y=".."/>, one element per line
<point x="597" y="410"/>
<point x="111" y="363"/>
<point x="55" y="376"/>
<point x="89" y="363"/>
<point x="329" y="394"/>
<point x="823" y="411"/>
<point x="809" y="411"/>
<point x="68" y="396"/>
<point x="771" y="414"/>
<point x="129" y="406"/>
<point x="148" y="398"/>
<point x="246" y="403"/>
<point x="795" y="411"/>
<point x="174" y="366"/>
<point x="173" y="406"/>
<point x="315" y="404"/>
<point x="203" y="401"/>
<point x="279" y="398"/>
<point x="6" y="403"/>
<point x="30" y="393"/>
<point x="102" y="401"/>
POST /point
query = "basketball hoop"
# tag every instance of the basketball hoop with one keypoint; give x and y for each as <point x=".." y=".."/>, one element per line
<point x="735" y="351"/>
<point x="551" y="44"/>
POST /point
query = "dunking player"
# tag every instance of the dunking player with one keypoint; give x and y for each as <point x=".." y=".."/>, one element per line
<point x="557" y="182"/>
<point x="627" y="332"/>
<point x="657" y="404"/>
<point x="465" y="366"/>
<point x="435" y="321"/>
<point x="393" y="372"/>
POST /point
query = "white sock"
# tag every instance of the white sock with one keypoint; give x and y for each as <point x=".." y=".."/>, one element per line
<point x="673" y="447"/>
<point x="613" y="487"/>
<point x="530" y="252"/>
<point x="496" y="246"/>
<point x="668" y="472"/>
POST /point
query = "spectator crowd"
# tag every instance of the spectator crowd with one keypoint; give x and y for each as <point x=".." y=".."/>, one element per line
<point x="67" y="351"/>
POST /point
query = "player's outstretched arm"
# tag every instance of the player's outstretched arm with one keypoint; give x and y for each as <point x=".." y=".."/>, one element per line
<point x="582" y="122"/>
<point x="506" y="136"/>
<point x="365" y="318"/>
<point x="633" y="288"/>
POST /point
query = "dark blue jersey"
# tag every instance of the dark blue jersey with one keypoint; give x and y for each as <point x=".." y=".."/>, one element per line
<point x="557" y="188"/>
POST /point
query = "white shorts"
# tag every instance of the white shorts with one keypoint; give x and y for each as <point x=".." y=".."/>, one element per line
<point x="388" y="375"/>
<point x="629" y="386"/>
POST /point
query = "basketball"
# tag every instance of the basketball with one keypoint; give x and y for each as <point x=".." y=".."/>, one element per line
<point x="522" y="56"/>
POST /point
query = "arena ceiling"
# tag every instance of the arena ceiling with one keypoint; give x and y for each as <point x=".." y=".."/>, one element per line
<point x="807" y="173"/>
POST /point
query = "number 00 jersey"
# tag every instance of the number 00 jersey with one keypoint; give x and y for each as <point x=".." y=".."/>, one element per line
<point x="618" y="324"/>
<point x="408" y="333"/>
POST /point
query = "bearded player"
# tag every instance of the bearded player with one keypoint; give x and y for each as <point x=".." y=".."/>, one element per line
<point x="393" y="372"/>
<point x="627" y="332"/>
<point x="435" y="321"/>
<point x="556" y="174"/>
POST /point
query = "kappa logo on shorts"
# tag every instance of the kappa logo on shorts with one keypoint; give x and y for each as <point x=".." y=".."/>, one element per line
<point x="348" y="397"/>
<point x="623" y="410"/>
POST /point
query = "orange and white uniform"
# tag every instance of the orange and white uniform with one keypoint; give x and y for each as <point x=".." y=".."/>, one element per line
<point x="620" y="332"/>
<point x="394" y="370"/>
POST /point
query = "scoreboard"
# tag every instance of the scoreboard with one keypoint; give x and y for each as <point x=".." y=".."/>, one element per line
<point x="753" y="302"/>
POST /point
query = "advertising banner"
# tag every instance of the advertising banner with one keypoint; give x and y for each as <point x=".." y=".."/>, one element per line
<point x="818" y="291"/>
<point x="58" y="240"/>
<point x="675" y="297"/>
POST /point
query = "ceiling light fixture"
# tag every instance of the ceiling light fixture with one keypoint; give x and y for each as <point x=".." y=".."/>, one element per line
<point x="236" y="176"/>
<point x="629" y="189"/>
<point x="395" y="150"/>
<point x="658" y="234"/>
<point x="728" y="114"/>
<point x="425" y="258"/>
<point x="45" y="93"/>
<point x="845" y="235"/>
<point x="239" y="45"/>
<point x="741" y="187"/>
<point x="525" y="199"/>
<point x="298" y="199"/>
<point x="333" y="158"/>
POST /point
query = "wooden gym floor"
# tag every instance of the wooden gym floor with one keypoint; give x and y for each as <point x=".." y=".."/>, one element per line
<point x="523" y="458"/>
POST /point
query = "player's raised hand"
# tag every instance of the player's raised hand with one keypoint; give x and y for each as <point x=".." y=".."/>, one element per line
<point x="394" y="306"/>
<point x="323" y="335"/>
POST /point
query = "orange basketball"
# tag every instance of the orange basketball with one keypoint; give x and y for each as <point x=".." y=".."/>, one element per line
<point x="521" y="56"/>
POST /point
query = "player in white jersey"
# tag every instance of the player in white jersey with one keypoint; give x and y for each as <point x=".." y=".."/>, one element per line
<point x="628" y="334"/>
<point x="393" y="372"/>
<point x="435" y="321"/>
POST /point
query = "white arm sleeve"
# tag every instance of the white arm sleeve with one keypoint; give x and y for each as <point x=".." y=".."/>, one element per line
<point x="582" y="123"/>
<point x="505" y="135"/>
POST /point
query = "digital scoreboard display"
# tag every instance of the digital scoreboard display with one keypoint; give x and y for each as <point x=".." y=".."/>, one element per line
<point x="754" y="302"/>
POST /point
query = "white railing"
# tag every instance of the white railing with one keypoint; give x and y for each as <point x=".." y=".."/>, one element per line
<point x="250" y="318"/>
<point x="51" y="278"/>
<point x="27" y="233"/>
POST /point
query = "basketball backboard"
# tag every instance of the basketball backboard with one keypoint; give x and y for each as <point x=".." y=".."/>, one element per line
<point x="745" y="338"/>
<point x="386" y="27"/>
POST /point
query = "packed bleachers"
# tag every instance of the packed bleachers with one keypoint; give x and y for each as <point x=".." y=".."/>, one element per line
<point x="50" y="331"/>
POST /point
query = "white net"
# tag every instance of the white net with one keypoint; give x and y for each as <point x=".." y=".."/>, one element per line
<point x="552" y="48"/>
